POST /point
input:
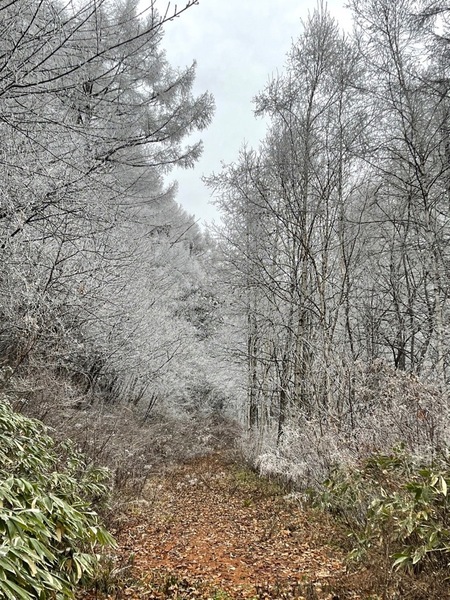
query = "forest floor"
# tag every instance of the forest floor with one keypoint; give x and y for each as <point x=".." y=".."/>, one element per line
<point x="212" y="529"/>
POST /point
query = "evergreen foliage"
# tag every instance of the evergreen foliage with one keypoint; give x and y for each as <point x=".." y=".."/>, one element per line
<point x="49" y="531"/>
<point x="394" y="504"/>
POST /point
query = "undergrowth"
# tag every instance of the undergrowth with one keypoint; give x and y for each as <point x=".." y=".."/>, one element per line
<point x="49" y="531"/>
<point x="397" y="511"/>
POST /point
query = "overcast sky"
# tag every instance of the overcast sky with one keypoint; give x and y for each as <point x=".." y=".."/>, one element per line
<point x="238" y="46"/>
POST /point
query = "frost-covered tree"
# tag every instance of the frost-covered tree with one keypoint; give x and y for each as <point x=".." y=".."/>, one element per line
<point x="335" y="236"/>
<point x="93" y="118"/>
<point x="286" y="210"/>
<point x="406" y="92"/>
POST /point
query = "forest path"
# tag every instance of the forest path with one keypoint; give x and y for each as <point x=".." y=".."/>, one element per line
<point x="211" y="529"/>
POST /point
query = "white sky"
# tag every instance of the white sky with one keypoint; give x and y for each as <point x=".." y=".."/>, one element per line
<point x="238" y="45"/>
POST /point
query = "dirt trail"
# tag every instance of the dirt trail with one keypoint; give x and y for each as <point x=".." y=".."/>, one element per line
<point x="213" y="530"/>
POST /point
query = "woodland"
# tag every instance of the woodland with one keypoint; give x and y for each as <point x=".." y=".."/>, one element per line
<point x="258" y="410"/>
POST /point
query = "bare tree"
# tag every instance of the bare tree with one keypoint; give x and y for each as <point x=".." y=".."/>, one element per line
<point x="289" y="206"/>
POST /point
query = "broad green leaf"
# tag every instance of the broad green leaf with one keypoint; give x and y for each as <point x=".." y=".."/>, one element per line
<point x="16" y="591"/>
<point x="401" y="560"/>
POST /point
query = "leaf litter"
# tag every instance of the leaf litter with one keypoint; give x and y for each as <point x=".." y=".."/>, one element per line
<point x="212" y="529"/>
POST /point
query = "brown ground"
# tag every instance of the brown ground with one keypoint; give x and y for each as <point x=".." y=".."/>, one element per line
<point x="211" y="529"/>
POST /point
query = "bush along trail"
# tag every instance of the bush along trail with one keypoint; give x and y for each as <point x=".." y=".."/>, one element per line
<point x="213" y="529"/>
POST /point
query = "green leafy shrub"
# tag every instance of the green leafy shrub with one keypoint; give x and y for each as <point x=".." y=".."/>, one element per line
<point x="349" y="491"/>
<point x="412" y="523"/>
<point x="49" y="531"/>
<point x="397" y="505"/>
